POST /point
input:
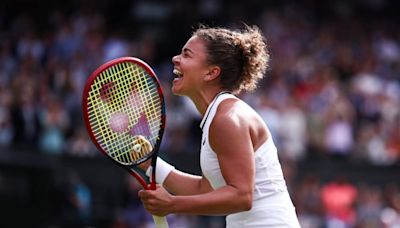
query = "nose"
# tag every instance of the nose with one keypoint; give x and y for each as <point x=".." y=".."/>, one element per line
<point x="175" y="59"/>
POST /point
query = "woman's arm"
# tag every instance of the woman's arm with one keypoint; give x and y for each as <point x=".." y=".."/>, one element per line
<point x="230" y="139"/>
<point x="173" y="180"/>
<point x="180" y="183"/>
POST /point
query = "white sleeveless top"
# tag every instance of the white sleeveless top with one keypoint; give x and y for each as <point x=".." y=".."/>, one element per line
<point x="270" y="191"/>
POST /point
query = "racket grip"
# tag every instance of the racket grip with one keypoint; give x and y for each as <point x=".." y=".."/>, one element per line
<point x="161" y="222"/>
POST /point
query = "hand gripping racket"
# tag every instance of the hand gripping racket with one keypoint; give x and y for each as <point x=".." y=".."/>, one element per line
<point x="124" y="112"/>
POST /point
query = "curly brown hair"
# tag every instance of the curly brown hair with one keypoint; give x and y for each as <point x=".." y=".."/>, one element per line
<point x="242" y="55"/>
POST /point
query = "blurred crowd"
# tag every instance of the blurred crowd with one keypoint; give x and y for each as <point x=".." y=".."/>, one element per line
<point x="332" y="90"/>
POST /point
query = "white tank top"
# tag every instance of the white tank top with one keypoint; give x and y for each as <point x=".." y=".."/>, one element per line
<point x="271" y="201"/>
<point x="268" y="178"/>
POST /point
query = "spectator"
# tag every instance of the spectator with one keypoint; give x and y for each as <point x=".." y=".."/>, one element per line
<point x="338" y="198"/>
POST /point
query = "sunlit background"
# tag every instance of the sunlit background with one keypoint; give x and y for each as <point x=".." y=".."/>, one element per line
<point x="331" y="100"/>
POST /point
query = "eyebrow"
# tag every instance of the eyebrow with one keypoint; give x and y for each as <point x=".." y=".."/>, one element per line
<point x="187" y="50"/>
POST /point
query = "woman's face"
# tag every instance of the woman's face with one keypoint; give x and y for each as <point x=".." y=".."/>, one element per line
<point x="190" y="67"/>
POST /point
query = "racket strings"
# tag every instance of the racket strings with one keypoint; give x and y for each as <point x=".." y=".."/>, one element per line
<point x="133" y="95"/>
<point x="124" y="157"/>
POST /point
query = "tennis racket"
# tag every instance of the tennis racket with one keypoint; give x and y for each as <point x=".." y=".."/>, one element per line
<point x="124" y="112"/>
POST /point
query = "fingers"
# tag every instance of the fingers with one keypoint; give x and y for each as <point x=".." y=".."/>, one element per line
<point x="150" y="202"/>
<point x="142" y="145"/>
<point x="140" y="148"/>
<point x="156" y="202"/>
<point x="146" y="147"/>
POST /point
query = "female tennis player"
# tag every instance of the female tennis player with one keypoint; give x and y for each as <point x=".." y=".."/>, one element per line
<point x="242" y="177"/>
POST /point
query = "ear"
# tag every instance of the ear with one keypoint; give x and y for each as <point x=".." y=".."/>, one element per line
<point x="213" y="73"/>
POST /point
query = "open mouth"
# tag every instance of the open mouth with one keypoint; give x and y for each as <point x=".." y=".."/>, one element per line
<point x="178" y="73"/>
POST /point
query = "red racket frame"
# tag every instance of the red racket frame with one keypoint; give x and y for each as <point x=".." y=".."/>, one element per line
<point x="154" y="153"/>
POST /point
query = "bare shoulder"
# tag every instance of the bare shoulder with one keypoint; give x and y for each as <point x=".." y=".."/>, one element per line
<point x="231" y="113"/>
<point x="235" y="111"/>
<point x="232" y="120"/>
<point x="237" y="121"/>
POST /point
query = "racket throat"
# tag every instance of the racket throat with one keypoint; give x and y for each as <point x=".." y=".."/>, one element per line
<point x="153" y="174"/>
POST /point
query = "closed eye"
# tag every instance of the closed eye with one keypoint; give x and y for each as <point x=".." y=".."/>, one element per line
<point x="187" y="53"/>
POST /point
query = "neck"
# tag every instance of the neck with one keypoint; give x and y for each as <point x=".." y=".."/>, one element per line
<point x="203" y="100"/>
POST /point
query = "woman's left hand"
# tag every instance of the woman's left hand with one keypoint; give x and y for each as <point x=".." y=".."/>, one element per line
<point x="158" y="202"/>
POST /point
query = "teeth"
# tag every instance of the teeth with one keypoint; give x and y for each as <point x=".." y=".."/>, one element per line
<point x="177" y="72"/>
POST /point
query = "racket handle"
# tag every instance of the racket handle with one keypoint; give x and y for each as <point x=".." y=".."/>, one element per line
<point x="161" y="222"/>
